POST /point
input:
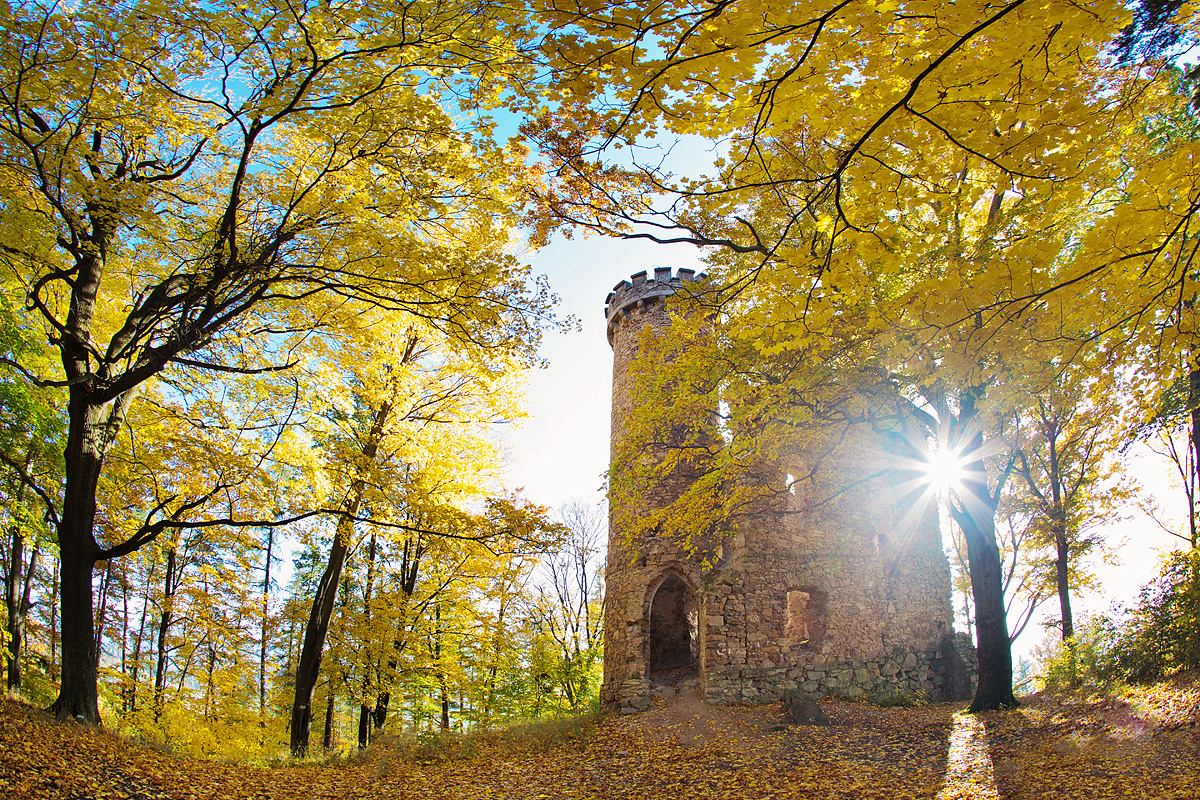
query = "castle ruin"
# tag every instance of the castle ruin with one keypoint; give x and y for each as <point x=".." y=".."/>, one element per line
<point x="847" y="597"/>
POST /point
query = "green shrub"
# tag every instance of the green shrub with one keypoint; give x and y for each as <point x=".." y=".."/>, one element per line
<point x="1157" y="636"/>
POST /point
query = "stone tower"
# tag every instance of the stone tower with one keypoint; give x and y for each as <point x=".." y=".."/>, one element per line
<point x="847" y="596"/>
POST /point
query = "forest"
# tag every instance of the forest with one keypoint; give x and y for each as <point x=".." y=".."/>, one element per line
<point x="268" y="305"/>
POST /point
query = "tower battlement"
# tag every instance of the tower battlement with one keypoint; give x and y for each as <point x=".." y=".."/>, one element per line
<point x="642" y="288"/>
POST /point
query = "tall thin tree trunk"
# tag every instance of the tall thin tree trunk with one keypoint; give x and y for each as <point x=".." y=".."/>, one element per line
<point x="1061" y="576"/>
<point x="445" y="705"/>
<point x="141" y="634"/>
<point x="12" y="602"/>
<point x="102" y="611"/>
<point x="16" y="601"/>
<point x="124" y="584"/>
<point x="327" y="739"/>
<point x="54" y="578"/>
<point x="309" y="667"/>
<point x="1062" y="554"/>
<point x="1194" y="404"/>
<point x="170" y="584"/>
<point x="364" y="712"/>
<point x="262" y="644"/>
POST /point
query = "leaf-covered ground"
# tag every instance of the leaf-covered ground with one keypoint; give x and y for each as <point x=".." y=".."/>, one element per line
<point x="1141" y="744"/>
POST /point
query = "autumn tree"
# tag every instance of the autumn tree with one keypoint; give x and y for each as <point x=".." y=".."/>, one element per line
<point x="30" y="437"/>
<point x="937" y="175"/>
<point x="568" y="608"/>
<point x="199" y="187"/>
<point x="1067" y="464"/>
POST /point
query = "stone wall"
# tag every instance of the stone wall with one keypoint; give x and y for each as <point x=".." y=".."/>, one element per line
<point x="635" y="570"/>
<point x="838" y="587"/>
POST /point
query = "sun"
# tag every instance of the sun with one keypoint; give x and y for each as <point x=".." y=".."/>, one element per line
<point x="944" y="470"/>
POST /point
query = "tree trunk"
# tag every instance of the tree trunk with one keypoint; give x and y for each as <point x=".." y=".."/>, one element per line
<point x="170" y="584"/>
<point x="12" y="602"/>
<point x="975" y="513"/>
<point x="141" y="635"/>
<point x="445" y="706"/>
<point x="262" y="644"/>
<point x="18" y="583"/>
<point x="994" y="688"/>
<point x="78" y="551"/>
<point x="54" y="621"/>
<point x="364" y="726"/>
<point x="1194" y="404"/>
<point x="1061" y="563"/>
<point x="77" y="697"/>
<point x="364" y="711"/>
<point x="327" y="739"/>
<point x="379" y="715"/>
<point x="102" y="611"/>
<point x="309" y="667"/>
<point x="976" y="517"/>
<point x="124" y="583"/>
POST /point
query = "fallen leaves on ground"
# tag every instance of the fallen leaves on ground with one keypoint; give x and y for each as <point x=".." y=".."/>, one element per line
<point x="1141" y="743"/>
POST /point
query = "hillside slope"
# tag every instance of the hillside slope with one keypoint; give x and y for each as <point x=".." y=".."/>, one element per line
<point x="1143" y="744"/>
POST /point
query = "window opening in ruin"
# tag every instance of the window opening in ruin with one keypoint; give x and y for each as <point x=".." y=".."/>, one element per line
<point x="797" y="630"/>
<point x="673" y="651"/>
<point x="804" y="623"/>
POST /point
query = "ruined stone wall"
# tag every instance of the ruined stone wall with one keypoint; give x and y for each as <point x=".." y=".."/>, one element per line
<point x="844" y="591"/>
<point x="840" y="587"/>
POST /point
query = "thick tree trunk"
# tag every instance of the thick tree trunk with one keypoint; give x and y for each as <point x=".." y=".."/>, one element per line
<point x="364" y="726"/>
<point x="994" y="688"/>
<point x="77" y="697"/>
<point x="976" y="517"/>
<point x="379" y="715"/>
<point x="975" y="513"/>
<point x="78" y="552"/>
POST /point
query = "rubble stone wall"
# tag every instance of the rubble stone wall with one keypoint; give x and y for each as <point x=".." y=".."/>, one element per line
<point x="842" y="588"/>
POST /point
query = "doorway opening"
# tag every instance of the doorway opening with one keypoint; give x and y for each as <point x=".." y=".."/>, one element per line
<point x="673" y="649"/>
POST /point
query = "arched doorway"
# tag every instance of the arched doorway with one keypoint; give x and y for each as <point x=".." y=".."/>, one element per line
<point x="672" y="649"/>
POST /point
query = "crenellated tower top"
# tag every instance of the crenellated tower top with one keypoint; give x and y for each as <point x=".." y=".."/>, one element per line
<point x="642" y="289"/>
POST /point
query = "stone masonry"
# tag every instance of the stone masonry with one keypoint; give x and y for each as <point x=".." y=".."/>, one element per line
<point x="847" y="597"/>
